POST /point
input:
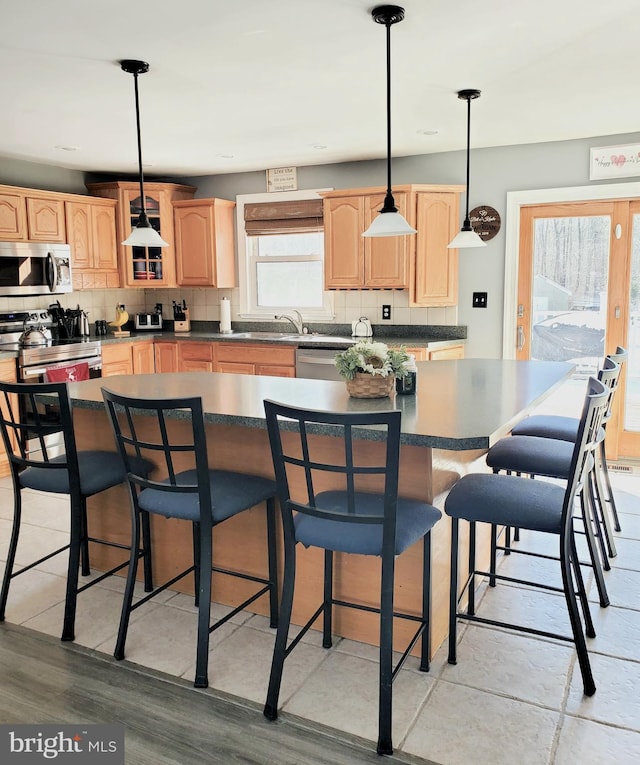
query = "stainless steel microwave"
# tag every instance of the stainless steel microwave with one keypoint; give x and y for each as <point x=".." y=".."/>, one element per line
<point x="32" y="268"/>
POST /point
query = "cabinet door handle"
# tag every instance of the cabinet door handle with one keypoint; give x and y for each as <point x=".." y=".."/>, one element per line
<point x="520" y="344"/>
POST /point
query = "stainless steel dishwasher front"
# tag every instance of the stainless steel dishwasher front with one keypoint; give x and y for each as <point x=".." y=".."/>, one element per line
<point x="317" y="363"/>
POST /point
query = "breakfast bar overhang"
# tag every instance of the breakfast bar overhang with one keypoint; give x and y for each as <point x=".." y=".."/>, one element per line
<point x="460" y="409"/>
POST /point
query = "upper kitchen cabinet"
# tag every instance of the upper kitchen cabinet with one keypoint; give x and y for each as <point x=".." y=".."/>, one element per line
<point x="355" y="262"/>
<point x="205" y="243"/>
<point x="28" y="215"/>
<point x="141" y="265"/>
<point x="91" y="232"/>
<point x="420" y="263"/>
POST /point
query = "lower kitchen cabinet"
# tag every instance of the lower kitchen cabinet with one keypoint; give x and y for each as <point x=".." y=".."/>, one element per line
<point x="116" y="359"/>
<point x="7" y="374"/>
<point x="451" y="352"/>
<point x="166" y="356"/>
<point x="143" y="358"/>
<point x="247" y="359"/>
<point x="195" y="357"/>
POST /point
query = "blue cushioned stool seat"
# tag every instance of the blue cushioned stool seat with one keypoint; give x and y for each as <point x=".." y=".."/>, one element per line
<point x="413" y="520"/>
<point x="548" y="426"/>
<point x="533" y="455"/>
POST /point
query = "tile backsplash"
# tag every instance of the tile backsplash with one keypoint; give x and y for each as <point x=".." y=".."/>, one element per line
<point x="204" y="304"/>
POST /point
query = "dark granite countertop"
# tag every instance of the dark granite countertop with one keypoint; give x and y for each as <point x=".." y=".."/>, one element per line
<point x="460" y="404"/>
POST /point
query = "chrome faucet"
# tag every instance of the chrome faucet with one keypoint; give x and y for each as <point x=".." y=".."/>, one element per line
<point x="298" y="322"/>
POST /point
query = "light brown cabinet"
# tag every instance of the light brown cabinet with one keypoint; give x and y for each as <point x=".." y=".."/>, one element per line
<point x="166" y="356"/>
<point x="248" y="359"/>
<point x="421" y="263"/>
<point x="205" y="243"/>
<point x="195" y="357"/>
<point x="91" y="232"/>
<point x="451" y="352"/>
<point x="123" y="358"/>
<point x="29" y="215"/>
<point x="145" y="266"/>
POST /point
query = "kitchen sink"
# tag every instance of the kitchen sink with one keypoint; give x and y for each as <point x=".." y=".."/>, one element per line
<point x="284" y="337"/>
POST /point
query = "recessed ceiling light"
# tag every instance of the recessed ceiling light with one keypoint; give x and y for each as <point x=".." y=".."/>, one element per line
<point x="427" y="131"/>
<point x="318" y="146"/>
<point x="225" y="156"/>
<point x="67" y="148"/>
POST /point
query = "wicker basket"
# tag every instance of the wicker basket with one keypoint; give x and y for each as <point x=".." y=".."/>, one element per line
<point x="370" y="386"/>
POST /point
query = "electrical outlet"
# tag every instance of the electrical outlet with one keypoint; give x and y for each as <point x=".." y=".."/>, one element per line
<point x="386" y="311"/>
<point x="479" y="300"/>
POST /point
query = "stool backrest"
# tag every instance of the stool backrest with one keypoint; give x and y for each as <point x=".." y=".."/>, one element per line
<point x="167" y="432"/>
<point x="37" y="429"/>
<point x="305" y="467"/>
<point x="612" y="379"/>
<point x="587" y="441"/>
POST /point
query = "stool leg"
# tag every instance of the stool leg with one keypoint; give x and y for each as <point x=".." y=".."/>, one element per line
<point x="327" y="605"/>
<point x="273" y="562"/>
<point x="146" y="548"/>
<point x="574" y="616"/>
<point x="610" y="498"/>
<point x="86" y="569"/>
<point x="11" y="553"/>
<point x="493" y="558"/>
<point x="587" y="510"/>
<point x="603" y="516"/>
<point x="582" y="593"/>
<point x="280" y="649"/>
<point x="127" y="599"/>
<point x="385" y="690"/>
<point x="75" y="544"/>
<point x="471" y="607"/>
<point x="203" y="575"/>
<point x="453" y="592"/>
<point x="425" y="651"/>
<point x="195" y="540"/>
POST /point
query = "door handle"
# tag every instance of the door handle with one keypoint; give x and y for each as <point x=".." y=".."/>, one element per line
<point x="521" y="338"/>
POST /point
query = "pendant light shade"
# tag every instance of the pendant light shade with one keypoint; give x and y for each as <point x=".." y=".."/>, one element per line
<point x="467" y="237"/>
<point x="143" y="235"/>
<point x="389" y="221"/>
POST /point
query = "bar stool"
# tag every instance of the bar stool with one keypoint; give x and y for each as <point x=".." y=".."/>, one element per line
<point x="566" y="428"/>
<point x="508" y="500"/>
<point x="348" y="519"/>
<point x="191" y="491"/>
<point x="37" y="430"/>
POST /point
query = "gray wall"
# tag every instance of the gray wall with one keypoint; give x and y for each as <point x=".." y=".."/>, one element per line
<point x="494" y="172"/>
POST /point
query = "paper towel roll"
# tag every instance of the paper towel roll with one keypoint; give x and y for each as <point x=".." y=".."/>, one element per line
<point x="225" y="315"/>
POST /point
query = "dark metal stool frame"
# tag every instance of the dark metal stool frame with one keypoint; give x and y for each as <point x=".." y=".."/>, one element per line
<point x="34" y="413"/>
<point x="302" y="422"/>
<point x="123" y="409"/>
<point x="596" y="525"/>
<point x="586" y="444"/>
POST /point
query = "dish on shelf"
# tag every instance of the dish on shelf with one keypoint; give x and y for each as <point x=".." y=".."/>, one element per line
<point x="144" y="275"/>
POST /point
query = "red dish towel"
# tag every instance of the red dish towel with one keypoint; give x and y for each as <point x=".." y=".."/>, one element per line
<point x="70" y="373"/>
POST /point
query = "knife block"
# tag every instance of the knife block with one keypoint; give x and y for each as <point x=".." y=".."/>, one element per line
<point x="185" y="324"/>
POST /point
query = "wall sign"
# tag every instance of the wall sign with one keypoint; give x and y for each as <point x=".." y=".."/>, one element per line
<point x="282" y="179"/>
<point x="485" y="221"/>
<point x="614" y="161"/>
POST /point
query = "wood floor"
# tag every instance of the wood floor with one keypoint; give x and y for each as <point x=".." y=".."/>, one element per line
<point x="167" y="722"/>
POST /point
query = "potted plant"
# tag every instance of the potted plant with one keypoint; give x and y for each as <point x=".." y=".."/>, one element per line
<point x="370" y="369"/>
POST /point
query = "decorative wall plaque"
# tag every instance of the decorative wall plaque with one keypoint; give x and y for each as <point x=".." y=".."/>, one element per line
<point x="485" y="221"/>
<point x="282" y="179"/>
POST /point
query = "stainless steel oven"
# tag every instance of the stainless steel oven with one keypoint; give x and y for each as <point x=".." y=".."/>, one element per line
<point x="34" y="361"/>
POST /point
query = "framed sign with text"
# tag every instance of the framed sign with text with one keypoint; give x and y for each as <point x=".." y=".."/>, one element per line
<point x="614" y="161"/>
<point x="485" y="221"/>
<point x="282" y="179"/>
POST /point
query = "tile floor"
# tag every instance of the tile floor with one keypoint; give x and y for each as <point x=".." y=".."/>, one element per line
<point x="511" y="698"/>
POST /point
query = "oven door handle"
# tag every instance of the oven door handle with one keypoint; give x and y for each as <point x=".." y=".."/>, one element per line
<point x="95" y="362"/>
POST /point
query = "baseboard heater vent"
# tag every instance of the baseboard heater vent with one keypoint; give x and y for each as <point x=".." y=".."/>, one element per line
<point x="620" y="468"/>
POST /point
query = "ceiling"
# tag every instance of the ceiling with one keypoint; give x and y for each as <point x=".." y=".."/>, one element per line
<point x="249" y="85"/>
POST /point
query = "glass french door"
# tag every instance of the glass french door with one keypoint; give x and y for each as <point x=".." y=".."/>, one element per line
<point x="579" y="298"/>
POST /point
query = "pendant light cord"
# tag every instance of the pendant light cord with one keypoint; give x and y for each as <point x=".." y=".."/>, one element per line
<point x="143" y="215"/>
<point x="467" y="222"/>
<point x="389" y="201"/>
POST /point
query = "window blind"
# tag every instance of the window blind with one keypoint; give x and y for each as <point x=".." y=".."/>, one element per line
<point x="296" y="216"/>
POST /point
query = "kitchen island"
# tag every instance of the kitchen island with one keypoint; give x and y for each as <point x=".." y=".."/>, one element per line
<point x="461" y="408"/>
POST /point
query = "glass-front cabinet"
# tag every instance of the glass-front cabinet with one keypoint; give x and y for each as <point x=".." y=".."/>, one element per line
<point x="145" y="266"/>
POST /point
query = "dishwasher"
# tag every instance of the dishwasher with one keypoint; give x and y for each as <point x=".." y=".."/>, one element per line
<point x="317" y="363"/>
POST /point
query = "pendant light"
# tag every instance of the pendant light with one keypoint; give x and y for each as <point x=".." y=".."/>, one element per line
<point x="389" y="222"/>
<point x="467" y="237"/>
<point x="143" y="235"/>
